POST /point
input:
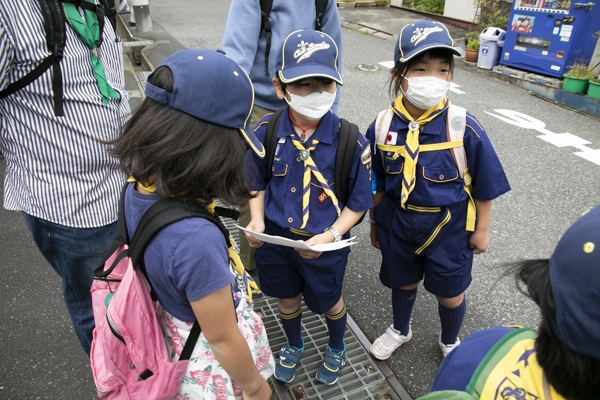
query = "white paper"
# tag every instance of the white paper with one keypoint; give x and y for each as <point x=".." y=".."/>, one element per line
<point x="300" y="244"/>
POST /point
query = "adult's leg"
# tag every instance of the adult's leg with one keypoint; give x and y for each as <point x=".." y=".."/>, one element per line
<point x="131" y="15"/>
<point x="247" y="252"/>
<point x="74" y="253"/>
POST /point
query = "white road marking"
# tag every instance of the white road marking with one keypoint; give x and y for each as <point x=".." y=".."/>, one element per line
<point x="558" y="139"/>
<point x="454" y="88"/>
<point x="387" y="64"/>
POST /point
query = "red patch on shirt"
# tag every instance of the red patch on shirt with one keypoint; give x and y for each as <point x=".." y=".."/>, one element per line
<point x="322" y="197"/>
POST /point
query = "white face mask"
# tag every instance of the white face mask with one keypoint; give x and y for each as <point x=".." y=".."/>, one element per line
<point x="313" y="105"/>
<point x="425" y="92"/>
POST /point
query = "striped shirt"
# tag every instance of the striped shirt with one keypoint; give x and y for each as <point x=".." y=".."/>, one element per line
<point x="57" y="169"/>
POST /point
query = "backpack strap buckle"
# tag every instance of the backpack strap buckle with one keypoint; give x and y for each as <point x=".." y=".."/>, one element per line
<point x="58" y="52"/>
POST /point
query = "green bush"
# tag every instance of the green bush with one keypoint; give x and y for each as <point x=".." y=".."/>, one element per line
<point x="473" y="41"/>
<point x="579" y="69"/>
<point x="432" y="6"/>
<point x="492" y="13"/>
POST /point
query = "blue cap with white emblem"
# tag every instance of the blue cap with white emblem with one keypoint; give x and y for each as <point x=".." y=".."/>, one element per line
<point x="420" y="36"/>
<point x="308" y="54"/>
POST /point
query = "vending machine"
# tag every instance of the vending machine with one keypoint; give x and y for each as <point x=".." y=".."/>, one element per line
<point x="545" y="37"/>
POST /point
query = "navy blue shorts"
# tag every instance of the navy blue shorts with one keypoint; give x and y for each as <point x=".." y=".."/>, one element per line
<point x="283" y="273"/>
<point x="421" y="243"/>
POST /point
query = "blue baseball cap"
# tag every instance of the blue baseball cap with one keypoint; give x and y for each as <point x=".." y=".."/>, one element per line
<point x="308" y="54"/>
<point x="212" y="87"/>
<point x="575" y="280"/>
<point x="421" y="36"/>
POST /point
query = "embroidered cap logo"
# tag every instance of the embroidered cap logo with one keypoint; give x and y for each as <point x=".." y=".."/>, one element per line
<point x="305" y="49"/>
<point x="421" y="34"/>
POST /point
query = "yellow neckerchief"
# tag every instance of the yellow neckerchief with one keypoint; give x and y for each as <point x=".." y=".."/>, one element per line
<point x="234" y="258"/>
<point x="398" y="151"/>
<point x="411" y="154"/>
<point x="401" y="151"/>
<point x="399" y="109"/>
<point x="310" y="168"/>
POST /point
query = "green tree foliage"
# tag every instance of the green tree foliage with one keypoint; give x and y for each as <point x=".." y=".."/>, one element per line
<point x="492" y="13"/>
<point x="432" y="6"/>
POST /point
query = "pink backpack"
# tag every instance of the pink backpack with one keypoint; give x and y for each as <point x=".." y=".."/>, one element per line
<point x="129" y="357"/>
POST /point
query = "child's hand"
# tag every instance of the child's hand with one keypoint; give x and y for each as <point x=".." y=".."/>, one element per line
<point x="374" y="237"/>
<point x="479" y="241"/>
<point x="321" y="238"/>
<point x="255" y="225"/>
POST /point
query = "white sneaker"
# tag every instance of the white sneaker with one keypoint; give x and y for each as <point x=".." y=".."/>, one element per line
<point x="384" y="345"/>
<point x="447" y="348"/>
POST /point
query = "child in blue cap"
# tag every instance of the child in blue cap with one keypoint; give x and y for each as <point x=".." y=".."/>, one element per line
<point x="297" y="199"/>
<point x="561" y="360"/>
<point x="436" y="174"/>
<point x="197" y="109"/>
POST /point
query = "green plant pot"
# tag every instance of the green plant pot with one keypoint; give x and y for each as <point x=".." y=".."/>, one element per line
<point x="574" y="85"/>
<point x="594" y="90"/>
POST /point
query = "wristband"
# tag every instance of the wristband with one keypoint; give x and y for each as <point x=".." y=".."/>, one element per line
<point x="371" y="221"/>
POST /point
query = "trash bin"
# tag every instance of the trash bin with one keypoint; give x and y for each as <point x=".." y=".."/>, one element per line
<point x="491" y="42"/>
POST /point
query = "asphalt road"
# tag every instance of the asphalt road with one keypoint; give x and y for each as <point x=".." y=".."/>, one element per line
<point x="551" y="187"/>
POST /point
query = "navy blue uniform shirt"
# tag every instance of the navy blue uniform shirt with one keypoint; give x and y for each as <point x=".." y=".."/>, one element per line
<point x="283" y="196"/>
<point x="437" y="180"/>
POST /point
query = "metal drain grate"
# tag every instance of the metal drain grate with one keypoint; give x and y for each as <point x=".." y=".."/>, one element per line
<point x="360" y="379"/>
<point x="230" y="225"/>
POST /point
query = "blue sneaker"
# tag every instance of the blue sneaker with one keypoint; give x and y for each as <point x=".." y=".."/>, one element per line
<point x="332" y="365"/>
<point x="289" y="358"/>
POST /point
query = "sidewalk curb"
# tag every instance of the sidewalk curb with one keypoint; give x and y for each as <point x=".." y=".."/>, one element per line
<point x="128" y="36"/>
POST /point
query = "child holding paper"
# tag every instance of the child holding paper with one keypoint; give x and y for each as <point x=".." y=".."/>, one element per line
<point x="297" y="199"/>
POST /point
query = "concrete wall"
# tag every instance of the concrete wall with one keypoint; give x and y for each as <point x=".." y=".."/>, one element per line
<point x="460" y="9"/>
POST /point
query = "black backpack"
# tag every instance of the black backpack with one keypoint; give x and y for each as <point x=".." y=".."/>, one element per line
<point x="343" y="156"/>
<point x="265" y="11"/>
<point x="56" y="37"/>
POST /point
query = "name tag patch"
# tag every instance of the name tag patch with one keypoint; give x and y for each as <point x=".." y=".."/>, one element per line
<point x="278" y="148"/>
<point x="322" y="197"/>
